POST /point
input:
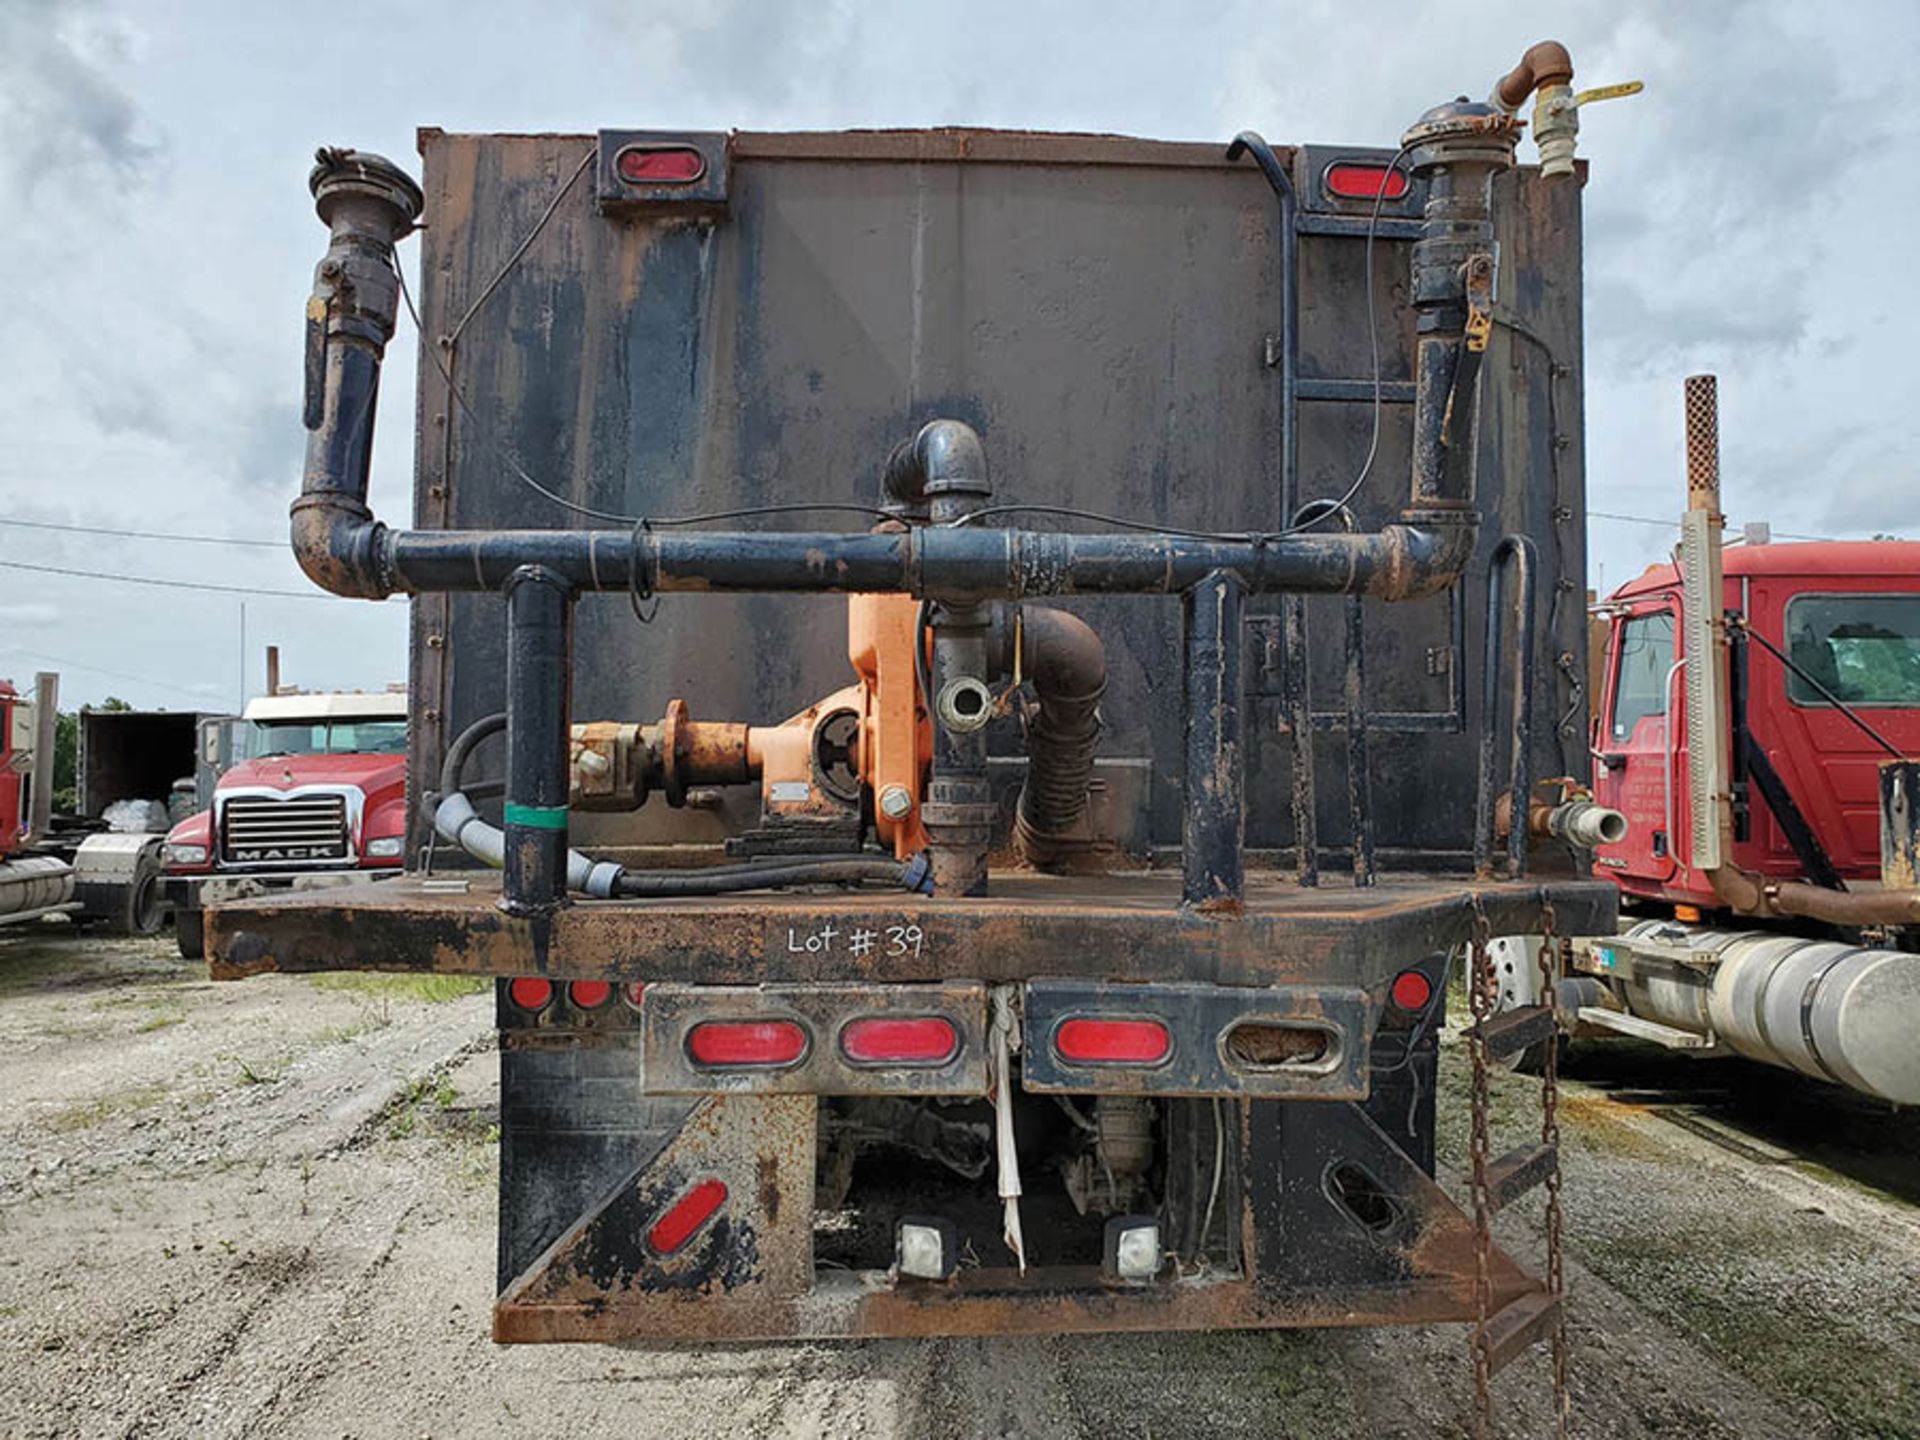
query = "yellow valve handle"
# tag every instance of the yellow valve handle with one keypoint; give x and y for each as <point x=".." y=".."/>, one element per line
<point x="1609" y="92"/>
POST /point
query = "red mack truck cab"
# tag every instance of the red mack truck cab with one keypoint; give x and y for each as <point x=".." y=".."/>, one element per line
<point x="1757" y="727"/>
<point x="318" y="799"/>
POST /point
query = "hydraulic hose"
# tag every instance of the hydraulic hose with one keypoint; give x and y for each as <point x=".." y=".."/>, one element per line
<point x="812" y="870"/>
<point x="1063" y="657"/>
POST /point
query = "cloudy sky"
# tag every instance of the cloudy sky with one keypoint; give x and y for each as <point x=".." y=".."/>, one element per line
<point x="1751" y="214"/>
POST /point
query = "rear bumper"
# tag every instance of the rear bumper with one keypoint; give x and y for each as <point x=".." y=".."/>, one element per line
<point x="1327" y="1210"/>
<point x="200" y="892"/>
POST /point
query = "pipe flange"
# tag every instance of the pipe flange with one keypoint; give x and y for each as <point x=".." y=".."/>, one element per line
<point x="964" y="704"/>
<point x="676" y="745"/>
<point x="339" y="173"/>
<point x="1462" y="132"/>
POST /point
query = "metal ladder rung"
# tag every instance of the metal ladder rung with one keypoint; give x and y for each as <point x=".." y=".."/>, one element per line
<point x="1529" y="1319"/>
<point x="1512" y="1031"/>
<point x="1518" y="1171"/>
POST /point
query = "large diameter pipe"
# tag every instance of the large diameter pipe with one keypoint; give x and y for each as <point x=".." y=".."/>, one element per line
<point x="368" y="204"/>
<point x="539" y="777"/>
<point x="1063" y="658"/>
<point x="1842" y="1013"/>
<point x="1214" y="783"/>
<point x="37" y="882"/>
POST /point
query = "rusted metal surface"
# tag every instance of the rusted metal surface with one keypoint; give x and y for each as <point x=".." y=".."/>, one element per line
<point x="1405" y="1257"/>
<point x="1900" y="825"/>
<point x="757" y="1241"/>
<point x="815" y="353"/>
<point x="1115" y="927"/>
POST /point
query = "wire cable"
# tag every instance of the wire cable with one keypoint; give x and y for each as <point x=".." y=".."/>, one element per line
<point x="145" y="534"/>
<point x="168" y="584"/>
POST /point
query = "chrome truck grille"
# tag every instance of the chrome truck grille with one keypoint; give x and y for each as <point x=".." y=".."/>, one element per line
<point x="298" y="830"/>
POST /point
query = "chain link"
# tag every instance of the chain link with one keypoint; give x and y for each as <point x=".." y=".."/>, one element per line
<point x="1555" y="952"/>
<point x="1482" y="995"/>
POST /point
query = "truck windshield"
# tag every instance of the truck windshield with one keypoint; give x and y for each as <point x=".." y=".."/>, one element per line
<point x="1865" y="649"/>
<point x="344" y="736"/>
<point x="1640" y="686"/>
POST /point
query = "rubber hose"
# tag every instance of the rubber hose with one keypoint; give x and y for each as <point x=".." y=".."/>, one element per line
<point x="813" y="870"/>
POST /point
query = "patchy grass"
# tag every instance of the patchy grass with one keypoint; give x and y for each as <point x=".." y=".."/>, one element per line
<point x="431" y="989"/>
<point x="430" y="1095"/>
<point x="102" y="1108"/>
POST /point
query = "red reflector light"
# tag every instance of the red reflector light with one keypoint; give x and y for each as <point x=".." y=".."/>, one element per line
<point x="589" y="994"/>
<point x="914" y="1040"/>
<point x="635" y="992"/>
<point x="664" y="165"/>
<point x="746" y="1042"/>
<point x="1365" y="182"/>
<point x="529" y="993"/>
<point x="672" y="1231"/>
<point x="1113" y="1042"/>
<point x="1412" y="990"/>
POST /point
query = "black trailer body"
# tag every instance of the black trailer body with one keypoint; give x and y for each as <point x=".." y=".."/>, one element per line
<point x="1110" y="317"/>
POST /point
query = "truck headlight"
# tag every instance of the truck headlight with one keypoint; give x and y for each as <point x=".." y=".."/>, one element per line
<point x="386" y="847"/>
<point x="186" y="854"/>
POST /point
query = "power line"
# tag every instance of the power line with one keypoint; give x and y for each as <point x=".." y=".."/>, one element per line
<point x="167" y="584"/>
<point x="64" y="665"/>
<point x="1675" y="524"/>
<point x="146" y="534"/>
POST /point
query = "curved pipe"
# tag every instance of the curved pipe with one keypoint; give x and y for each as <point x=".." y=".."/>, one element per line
<point x="1067" y="664"/>
<point x="368" y="204"/>
<point x="944" y="459"/>
<point x="1749" y="894"/>
<point x="1546" y="63"/>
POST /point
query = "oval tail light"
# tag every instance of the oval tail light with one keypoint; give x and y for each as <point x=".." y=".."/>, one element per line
<point x="670" y="1233"/>
<point x="1113" y="1042"/>
<point x="530" y="992"/>
<point x="900" y="1040"/>
<point x="1347" y="180"/>
<point x="726" y="1044"/>
<point x="589" y="994"/>
<point x="660" y="165"/>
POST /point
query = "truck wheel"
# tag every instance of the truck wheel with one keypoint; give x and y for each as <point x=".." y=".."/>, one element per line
<point x="190" y="933"/>
<point x="146" y="906"/>
<point x="117" y="882"/>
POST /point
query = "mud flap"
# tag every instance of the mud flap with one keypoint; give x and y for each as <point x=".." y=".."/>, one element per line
<point x="1339" y="1207"/>
<point x="724" y="1211"/>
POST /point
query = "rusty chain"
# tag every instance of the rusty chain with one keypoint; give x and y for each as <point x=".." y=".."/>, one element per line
<point x="1482" y="994"/>
<point x="1554" y="950"/>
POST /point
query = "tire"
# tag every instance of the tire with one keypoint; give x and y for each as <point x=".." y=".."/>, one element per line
<point x="190" y="933"/>
<point x="146" y="906"/>
<point x="135" y="906"/>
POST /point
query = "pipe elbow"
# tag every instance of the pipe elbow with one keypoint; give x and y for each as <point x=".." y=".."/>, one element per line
<point x="945" y="458"/>
<point x="1546" y="63"/>
<point x="338" y="545"/>
<point x="1062" y="655"/>
<point x="1423" y="555"/>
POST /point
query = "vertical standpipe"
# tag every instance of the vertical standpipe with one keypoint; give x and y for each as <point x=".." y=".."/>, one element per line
<point x="1214" y="823"/>
<point x="1704" y="633"/>
<point x="539" y="670"/>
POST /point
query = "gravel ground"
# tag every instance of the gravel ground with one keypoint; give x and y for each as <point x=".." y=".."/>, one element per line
<point x="266" y="1209"/>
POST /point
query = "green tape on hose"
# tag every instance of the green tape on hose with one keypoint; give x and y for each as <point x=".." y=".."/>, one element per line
<point x="540" y="817"/>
